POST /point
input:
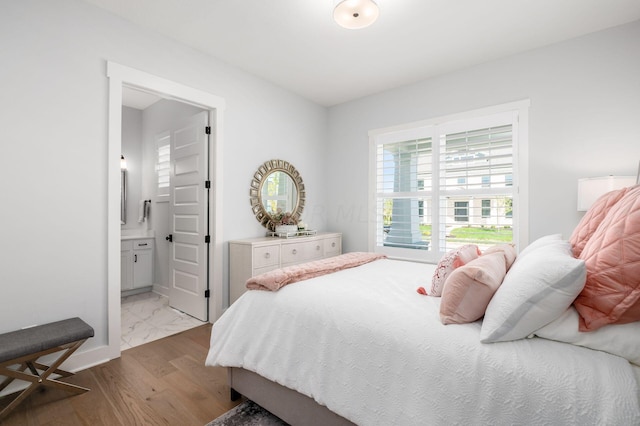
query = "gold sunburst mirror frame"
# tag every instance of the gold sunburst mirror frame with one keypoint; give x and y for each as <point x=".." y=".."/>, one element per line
<point x="276" y="184"/>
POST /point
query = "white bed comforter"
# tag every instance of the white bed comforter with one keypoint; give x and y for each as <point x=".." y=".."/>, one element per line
<point x="364" y="343"/>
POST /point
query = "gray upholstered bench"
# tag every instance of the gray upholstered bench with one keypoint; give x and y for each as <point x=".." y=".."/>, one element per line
<point x="23" y="348"/>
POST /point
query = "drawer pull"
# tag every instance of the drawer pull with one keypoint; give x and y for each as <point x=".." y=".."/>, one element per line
<point x="317" y="247"/>
<point x="294" y="251"/>
<point x="267" y="255"/>
<point x="333" y="244"/>
<point x="142" y="244"/>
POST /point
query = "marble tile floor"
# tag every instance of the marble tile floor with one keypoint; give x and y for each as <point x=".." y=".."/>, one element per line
<point x="147" y="317"/>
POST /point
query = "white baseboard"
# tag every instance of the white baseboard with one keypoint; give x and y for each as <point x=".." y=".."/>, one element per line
<point x="164" y="291"/>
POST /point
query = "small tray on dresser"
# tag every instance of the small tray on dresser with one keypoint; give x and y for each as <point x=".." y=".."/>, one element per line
<point x="301" y="233"/>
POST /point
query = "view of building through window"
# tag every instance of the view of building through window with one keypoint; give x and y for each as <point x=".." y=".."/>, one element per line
<point x="445" y="189"/>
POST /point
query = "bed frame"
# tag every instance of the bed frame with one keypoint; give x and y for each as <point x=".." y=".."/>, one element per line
<point x="291" y="406"/>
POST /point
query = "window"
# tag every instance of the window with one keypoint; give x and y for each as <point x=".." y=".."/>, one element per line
<point x="486" y="209"/>
<point x="508" y="180"/>
<point x="461" y="211"/>
<point x="163" y="164"/>
<point x="443" y="183"/>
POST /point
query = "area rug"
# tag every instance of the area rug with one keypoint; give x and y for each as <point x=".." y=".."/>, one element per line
<point x="247" y="413"/>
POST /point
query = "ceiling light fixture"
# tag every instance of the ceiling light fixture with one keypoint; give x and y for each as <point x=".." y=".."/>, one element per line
<point x="356" y="14"/>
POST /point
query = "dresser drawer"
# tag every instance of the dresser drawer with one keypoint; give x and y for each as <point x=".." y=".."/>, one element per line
<point x="332" y="246"/>
<point x="259" y="271"/>
<point x="301" y="252"/>
<point x="266" y="256"/>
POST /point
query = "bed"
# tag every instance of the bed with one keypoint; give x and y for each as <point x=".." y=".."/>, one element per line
<point x="362" y="346"/>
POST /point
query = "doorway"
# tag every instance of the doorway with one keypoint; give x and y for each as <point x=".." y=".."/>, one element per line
<point x="164" y="144"/>
<point x="119" y="77"/>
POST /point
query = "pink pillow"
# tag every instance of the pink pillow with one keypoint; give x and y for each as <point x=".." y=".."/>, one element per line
<point x="592" y="218"/>
<point x="469" y="289"/>
<point x="450" y="261"/>
<point x="507" y="250"/>
<point x="612" y="257"/>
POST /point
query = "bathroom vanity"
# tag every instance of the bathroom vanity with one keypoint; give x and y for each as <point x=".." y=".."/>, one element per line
<point x="136" y="269"/>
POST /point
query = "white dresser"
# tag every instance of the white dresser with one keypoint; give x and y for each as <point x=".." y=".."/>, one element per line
<point x="254" y="256"/>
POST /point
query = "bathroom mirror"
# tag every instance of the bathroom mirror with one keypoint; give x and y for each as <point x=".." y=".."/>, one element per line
<point x="276" y="187"/>
<point x="123" y="196"/>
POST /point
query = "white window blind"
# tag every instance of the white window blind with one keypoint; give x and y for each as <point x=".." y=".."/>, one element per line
<point x="163" y="165"/>
<point x="475" y="212"/>
<point x="446" y="184"/>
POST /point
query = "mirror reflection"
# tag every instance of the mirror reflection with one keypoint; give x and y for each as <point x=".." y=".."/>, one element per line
<point x="279" y="193"/>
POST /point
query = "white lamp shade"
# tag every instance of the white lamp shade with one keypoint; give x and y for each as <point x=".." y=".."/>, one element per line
<point x="590" y="189"/>
<point x="356" y="14"/>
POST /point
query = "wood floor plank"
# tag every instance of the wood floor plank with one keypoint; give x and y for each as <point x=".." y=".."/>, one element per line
<point x="161" y="383"/>
<point x="196" y="400"/>
<point x="128" y="405"/>
<point x="90" y="407"/>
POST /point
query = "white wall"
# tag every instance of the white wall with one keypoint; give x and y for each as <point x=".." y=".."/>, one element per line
<point x="584" y="121"/>
<point x="53" y="124"/>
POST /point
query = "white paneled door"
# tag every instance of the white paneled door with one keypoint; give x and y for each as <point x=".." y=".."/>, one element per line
<point x="189" y="217"/>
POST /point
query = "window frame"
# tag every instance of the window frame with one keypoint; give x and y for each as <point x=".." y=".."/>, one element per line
<point x="516" y="112"/>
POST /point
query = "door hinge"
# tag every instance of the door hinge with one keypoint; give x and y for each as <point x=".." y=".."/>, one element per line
<point x="207" y="293"/>
<point x="207" y="184"/>
<point x="207" y="239"/>
<point x="207" y="130"/>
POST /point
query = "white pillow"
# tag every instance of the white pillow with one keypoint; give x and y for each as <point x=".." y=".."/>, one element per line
<point x="538" y="288"/>
<point x="617" y="339"/>
<point x="540" y="242"/>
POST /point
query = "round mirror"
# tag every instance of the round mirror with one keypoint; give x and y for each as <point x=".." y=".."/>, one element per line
<point x="276" y="191"/>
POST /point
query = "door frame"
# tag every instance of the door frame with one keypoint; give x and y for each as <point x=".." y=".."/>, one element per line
<point x="120" y="75"/>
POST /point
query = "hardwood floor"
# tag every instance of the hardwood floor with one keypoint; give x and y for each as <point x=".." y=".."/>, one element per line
<point x="164" y="382"/>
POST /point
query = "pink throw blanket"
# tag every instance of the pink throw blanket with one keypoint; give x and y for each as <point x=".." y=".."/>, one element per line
<point x="276" y="279"/>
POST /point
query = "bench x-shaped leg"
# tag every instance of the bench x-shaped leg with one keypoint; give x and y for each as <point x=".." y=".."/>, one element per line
<point x="36" y="379"/>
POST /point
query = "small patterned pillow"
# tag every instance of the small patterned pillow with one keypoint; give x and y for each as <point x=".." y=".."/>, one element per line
<point x="450" y="261"/>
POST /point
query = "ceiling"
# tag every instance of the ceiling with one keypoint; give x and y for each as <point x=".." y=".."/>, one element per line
<point x="297" y="45"/>
<point x="138" y="99"/>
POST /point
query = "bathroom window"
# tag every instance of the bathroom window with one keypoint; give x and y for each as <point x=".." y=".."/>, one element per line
<point x="163" y="164"/>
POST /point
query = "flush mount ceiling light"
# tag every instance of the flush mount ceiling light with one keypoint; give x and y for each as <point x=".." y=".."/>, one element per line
<point x="356" y="14"/>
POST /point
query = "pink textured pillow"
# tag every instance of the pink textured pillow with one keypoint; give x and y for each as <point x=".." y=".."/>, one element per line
<point x="592" y="218"/>
<point x="507" y="250"/>
<point x="612" y="257"/>
<point x="469" y="289"/>
<point x="450" y="261"/>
